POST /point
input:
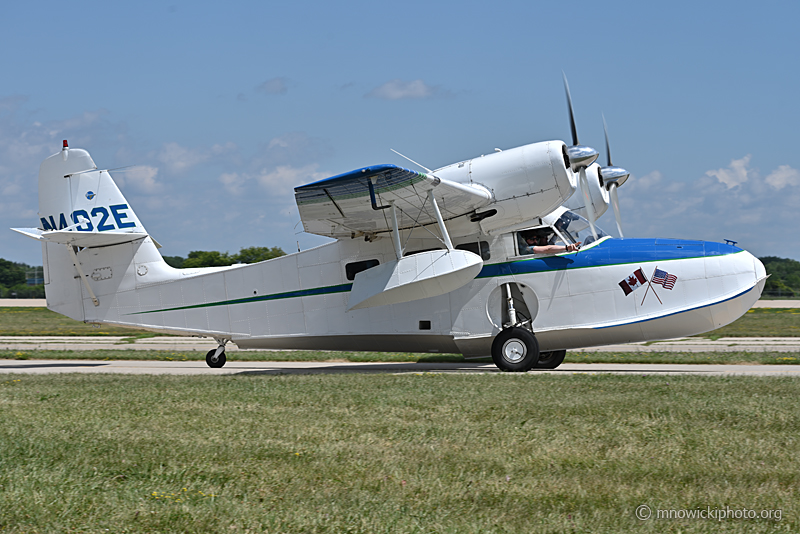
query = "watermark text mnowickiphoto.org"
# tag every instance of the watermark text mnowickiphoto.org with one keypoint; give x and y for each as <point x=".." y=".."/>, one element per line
<point x="726" y="513"/>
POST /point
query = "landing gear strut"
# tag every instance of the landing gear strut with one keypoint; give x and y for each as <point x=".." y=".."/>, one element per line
<point x="515" y="348"/>
<point x="216" y="357"/>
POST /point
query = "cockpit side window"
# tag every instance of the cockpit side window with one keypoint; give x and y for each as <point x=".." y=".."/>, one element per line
<point x="536" y="237"/>
<point x="576" y="228"/>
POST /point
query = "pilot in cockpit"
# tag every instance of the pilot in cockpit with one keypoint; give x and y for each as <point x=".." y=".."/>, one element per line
<point x="538" y="242"/>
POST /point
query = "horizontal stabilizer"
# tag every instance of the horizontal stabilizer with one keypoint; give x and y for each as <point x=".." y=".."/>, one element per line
<point x="419" y="276"/>
<point x="81" y="239"/>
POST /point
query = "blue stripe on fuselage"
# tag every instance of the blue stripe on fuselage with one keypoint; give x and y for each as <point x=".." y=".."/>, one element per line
<point x="612" y="252"/>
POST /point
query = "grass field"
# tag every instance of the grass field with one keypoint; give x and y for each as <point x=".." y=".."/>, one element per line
<point x="43" y="322"/>
<point x="762" y="322"/>
<point x="395" y="453"/>
<point x="768" y="322"/>
<point x="764" y="358"/>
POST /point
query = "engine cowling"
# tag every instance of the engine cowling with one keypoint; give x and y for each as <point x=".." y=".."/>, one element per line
<point x="527" y="182"/>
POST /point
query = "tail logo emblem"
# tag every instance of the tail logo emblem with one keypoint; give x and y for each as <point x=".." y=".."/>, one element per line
<point x="90" y="195"/>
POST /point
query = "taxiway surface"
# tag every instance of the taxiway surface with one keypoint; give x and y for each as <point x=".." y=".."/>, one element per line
<point x="281" y="368"/>
<point x="169" y="343"/>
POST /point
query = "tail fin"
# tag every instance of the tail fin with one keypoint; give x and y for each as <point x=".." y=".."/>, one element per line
<point x="81" y="207"/>
<point x="73" y="193"/>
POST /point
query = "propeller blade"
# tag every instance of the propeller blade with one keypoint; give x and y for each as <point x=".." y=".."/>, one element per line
<point x="608" y="145"/>
<point x="615" y="203"/>
<point x="589" y="206"/>
<point x="571" y="114"/>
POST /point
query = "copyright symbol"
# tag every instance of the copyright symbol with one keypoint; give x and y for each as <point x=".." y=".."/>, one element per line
<point x="643" y="512"/>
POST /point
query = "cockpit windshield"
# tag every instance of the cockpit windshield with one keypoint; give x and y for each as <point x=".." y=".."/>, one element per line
<point x="576" y="228"/>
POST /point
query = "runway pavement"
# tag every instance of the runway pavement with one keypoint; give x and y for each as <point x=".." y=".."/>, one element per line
<point x="280" y="368"/>
<point x="169" y="343"/>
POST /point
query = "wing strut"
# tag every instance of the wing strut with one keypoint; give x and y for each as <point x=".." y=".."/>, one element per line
<point x="398" y="247"/>
<point x="422" y="275"/>
<point x="442" y="227"/>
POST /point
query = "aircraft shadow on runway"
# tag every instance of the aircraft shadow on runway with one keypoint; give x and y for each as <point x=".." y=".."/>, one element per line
<point x="440" y="368"/>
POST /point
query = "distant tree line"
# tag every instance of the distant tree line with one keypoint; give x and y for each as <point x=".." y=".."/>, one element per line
<point x="13" y="281"/>
<point x="212" y="258"/>
<point x="785" y="277"/>
<point x="14" y="276"/>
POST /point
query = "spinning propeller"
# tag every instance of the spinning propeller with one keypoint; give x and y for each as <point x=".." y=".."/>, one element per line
<point x="612" y="177"/>
<point x="581" y="157"/>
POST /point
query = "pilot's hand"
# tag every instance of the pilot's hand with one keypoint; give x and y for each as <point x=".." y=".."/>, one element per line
<point x="572" y="247"/>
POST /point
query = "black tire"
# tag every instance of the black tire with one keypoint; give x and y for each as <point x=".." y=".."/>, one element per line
<point x="551" y="359"/>
<point x="515" y="350"/>
<point x="217" y="362"/>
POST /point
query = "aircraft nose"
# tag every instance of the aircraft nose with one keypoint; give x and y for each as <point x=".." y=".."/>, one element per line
<point x="754" y="274"/>
<point x="760" y="270"/>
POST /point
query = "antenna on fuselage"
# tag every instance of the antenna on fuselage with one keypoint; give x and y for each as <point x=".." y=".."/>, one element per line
<point x="300" y="232"/>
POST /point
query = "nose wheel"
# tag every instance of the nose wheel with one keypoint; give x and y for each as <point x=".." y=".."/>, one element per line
<point x="216" y="357"/>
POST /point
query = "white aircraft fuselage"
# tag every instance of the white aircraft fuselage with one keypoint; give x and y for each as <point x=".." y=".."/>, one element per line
<point x="570" y="300"/>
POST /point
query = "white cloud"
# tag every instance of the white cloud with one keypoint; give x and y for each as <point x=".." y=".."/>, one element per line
<point x="401" y="90"/>
<point x="274" y="86"/>
<point x="293" y="148"/>
<point x="279" y="181"/>
<point x="278" y="142"/>
<point x="783" y="176"/>
<point x="285" y="178"/>
<point x="279" y="165"/>
<point x="179" y="159"/>
<point x="143" y="178"/>
<point x="735" y="174"/>
<point x="233" y="182"/>
<point x="733" y="203"/>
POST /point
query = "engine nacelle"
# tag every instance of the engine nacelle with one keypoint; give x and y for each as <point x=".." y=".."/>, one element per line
<point x="598" y="194"/>
<point x="527" y="182"/>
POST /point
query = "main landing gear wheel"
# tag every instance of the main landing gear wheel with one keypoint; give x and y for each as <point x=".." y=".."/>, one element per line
<point x="550" y="360"/>
<point x="215" y="361"/>
<point x="515" y="349"/>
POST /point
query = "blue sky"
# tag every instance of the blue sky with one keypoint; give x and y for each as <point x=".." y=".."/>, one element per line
<point x="224" y="108"/>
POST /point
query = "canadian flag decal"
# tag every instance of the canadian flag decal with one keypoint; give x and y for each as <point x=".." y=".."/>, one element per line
<point x="635" y="280"/>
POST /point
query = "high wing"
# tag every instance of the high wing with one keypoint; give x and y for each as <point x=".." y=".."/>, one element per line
<point x="355" y="202"/>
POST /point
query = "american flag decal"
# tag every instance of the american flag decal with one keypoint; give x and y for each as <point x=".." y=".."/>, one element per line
<point x="664" y="279"/>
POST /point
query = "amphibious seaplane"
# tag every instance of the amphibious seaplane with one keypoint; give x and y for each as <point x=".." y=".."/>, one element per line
<point x="484" y="256"/>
